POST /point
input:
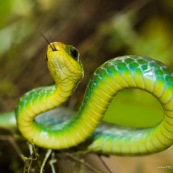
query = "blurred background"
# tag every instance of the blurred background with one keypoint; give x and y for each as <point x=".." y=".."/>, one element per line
<point x="100" y="30"/>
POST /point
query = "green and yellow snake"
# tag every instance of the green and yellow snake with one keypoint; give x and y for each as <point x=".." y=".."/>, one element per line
<point x="110" y="78"/>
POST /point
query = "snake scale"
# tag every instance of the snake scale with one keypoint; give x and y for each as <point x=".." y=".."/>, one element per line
<point x="110" y="78"/>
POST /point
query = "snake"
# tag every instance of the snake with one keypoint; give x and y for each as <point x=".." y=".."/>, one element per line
<point x="113" y="76"/>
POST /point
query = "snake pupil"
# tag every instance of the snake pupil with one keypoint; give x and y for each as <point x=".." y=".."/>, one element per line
<point x="74" y="53"/>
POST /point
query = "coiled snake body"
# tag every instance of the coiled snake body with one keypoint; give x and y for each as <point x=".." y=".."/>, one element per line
<point x="109" y="79"/>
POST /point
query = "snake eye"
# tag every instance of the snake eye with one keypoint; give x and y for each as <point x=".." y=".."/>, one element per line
<point x="74" y="53"/>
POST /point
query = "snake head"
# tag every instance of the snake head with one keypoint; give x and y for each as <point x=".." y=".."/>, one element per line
<point x="63" y="62"/>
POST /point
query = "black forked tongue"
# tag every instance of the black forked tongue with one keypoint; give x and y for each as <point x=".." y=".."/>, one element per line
<point x="49" y="43"/>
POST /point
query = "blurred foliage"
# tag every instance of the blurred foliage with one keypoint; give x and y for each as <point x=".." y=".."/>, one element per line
<point x="143" y="110"/>
<point x="100" y="30"/>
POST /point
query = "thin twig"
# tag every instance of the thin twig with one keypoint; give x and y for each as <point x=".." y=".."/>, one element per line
<point x="105" y="165"/>
<point x="51" y="163"/>
<point x="82" y="162"/>
<point x="29" y="160"/>
<point x="49" y="151"/>
<point x="14" y="145"/>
